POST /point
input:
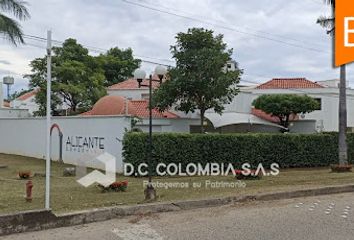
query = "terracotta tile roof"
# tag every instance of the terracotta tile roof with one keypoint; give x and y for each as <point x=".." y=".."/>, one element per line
<point x="27" y="95"/>
<point x="268" y="117"/>
<point x="288" y="83"/>
<point x="133" y="84"/>
<point x="141" y="109"/>
<point x="259" y="113"/>
<point x="108" y="105"/>
<point x="116" y="105"/>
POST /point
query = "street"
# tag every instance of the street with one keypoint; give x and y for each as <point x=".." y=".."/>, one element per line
<point x="324" y="217"/>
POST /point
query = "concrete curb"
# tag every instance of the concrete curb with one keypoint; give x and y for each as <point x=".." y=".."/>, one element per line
<point x="43" y="219"/>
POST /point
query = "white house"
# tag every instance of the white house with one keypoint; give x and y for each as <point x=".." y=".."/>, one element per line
<point x="26" y="101"/>
<point x="138" y="109"/>
<point x="6" y="111"/>
<point x="241" y="115"/>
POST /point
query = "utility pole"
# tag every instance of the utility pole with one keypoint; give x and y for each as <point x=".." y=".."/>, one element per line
<point x="48" y="125"/>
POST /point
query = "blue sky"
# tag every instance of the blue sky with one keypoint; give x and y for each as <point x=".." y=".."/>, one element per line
<point x="270" y="38"/>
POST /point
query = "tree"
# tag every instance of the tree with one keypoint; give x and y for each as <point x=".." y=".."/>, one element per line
<point x="78" y="79"/>
<point x="198" y="82"/>
<point x="9" y="27"/>
<point x="118" y="65"/>
<point x="283" y="106"/>
<point x="328" y="23"/>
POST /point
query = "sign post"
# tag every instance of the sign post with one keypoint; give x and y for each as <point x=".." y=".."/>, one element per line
<point x="48" y="125"/>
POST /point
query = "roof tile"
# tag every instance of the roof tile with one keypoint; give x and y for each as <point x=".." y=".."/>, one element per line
<point x="288" y="83"/>
<point x="27" y="95"/>
<point x="141" y="109"/>
<point x="116" y="105"/>
<point x="268" y="117"/>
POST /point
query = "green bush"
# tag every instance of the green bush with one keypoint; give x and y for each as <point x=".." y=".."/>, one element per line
<point x="288" y="150"/>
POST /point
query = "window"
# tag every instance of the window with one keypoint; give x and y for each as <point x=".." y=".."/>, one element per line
<point x="145" y="96"/>
<point x="319" y="100"/>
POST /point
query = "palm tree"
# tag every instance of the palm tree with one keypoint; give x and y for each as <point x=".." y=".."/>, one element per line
<point x="328" y="23"/>
<point x="8" y="26"/>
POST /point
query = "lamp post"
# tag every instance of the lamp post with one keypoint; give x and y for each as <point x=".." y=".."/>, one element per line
<point x="139" y="75"/>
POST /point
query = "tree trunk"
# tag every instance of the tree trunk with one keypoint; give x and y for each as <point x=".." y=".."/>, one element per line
<point x="342" y="141"/>
<point x="202" y="113"/>
<point x="286" y="123"/>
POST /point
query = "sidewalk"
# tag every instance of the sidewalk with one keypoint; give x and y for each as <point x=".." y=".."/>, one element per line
<point x="41" y="219"/>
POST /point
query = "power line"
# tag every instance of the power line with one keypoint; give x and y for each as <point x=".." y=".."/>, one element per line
<point x="224" y="27"/>
<point x="102" y="50"/>
<point x="94" y="49"/>
<point x="178" y="10"/>
<point x="245" y="27"/>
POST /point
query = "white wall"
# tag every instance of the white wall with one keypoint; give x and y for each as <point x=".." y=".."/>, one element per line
<point x="29" y="104"/>
<point x="304" y="126"/>
<point x="13" y="113"/>
<point x="179" y="125"/>
<point x="129" y="93"/>
<point x="241" y="103"/>
<point x="26" y="137"/>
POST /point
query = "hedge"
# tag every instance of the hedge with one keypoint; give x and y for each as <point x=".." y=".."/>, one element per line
<point x="288" y="150"/>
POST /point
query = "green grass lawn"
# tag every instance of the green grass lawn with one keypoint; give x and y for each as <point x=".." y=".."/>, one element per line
<point x="67" y="195"/>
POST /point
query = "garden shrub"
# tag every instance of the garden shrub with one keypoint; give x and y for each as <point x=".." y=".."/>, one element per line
<point x="288" y="150"/>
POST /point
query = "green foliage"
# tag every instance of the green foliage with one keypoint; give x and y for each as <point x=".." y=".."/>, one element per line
<point x="198" y="81"/>
<point x="79" y="79"/>
<point x="328" y="22"/>
<point x="284" y="105"/>
<point x="9" y="27"/>
<point x="288" y="150"/>
<point x="118" y="65"/>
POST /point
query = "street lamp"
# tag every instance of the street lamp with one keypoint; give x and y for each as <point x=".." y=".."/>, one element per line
<point x="139" y="75"/>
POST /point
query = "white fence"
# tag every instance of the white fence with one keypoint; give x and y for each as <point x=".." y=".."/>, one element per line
<point x="83" y="138"/>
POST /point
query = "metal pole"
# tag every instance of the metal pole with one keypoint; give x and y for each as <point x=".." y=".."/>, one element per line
<point x="49" y="79"/>
<point x="8" y="92"/>
<point x="150" y="129"/>
<point x="342" y="146"/>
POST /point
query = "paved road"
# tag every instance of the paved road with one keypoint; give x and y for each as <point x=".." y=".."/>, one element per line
<point x="325" y="217"/>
